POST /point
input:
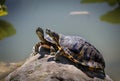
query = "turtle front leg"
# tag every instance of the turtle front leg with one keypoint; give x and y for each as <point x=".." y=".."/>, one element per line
<point x="37" y="46"/>
<point x="35" y="49"/>
<point x="66" y="53"/>
<point x="58" y="54"/>
<point x="42" y="49"/>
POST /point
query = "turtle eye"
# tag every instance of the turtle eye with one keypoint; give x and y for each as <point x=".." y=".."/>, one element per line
<point x="54" y="34"/>
<point x="48" y="31"/>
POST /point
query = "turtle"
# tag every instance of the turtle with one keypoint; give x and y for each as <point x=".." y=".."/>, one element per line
<point x="81" y="52"/>
<point x="44" y="46"/>
<point x="76" y="49"/>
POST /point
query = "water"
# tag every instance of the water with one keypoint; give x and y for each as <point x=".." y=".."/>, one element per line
<point x="27" y="15"/>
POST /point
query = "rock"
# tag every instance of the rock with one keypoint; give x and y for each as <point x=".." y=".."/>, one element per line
<point x="46" y="69"/>
<point x="6" y="68"/>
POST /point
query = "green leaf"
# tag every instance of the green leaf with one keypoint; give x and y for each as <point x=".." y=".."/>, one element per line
<point x="92" y="1"/>
<point x="6" y="29"/>
<point x="112" y="16"/>
<point x="2" y="2"/>
<point x="112" y="2"/>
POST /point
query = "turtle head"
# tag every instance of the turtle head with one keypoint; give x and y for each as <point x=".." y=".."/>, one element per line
<point x="39" y="30"/>
<point x="40" y="33"/>
<point x="53" y="35"/>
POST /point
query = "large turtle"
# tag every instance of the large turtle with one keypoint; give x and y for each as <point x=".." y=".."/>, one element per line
<point x="76" y="49"/>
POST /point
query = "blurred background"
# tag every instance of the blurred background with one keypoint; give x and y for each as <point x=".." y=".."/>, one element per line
<point x="98" y="21"/>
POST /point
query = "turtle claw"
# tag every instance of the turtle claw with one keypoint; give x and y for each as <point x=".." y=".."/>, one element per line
<point x="52" y="53"/>
<point x="58" y="54"/>
<point x="56" y="59"/>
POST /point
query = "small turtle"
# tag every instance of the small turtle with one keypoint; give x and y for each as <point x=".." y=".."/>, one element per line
<point x="44" y="46"/>
<point x="79" y="51"/>
<point x="76" y="49"/>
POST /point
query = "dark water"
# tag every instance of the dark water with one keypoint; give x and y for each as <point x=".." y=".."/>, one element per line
<point x="59" y="15"/>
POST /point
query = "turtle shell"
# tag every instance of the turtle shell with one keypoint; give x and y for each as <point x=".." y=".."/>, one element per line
<point x="83" y="51"/>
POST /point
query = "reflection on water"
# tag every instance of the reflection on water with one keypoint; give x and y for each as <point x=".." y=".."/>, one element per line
<point x="6" y="29"/>
<point x="27" y="15"/>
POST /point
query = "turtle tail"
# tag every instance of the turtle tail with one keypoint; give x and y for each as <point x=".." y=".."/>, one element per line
<point x="92" y="73"/>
